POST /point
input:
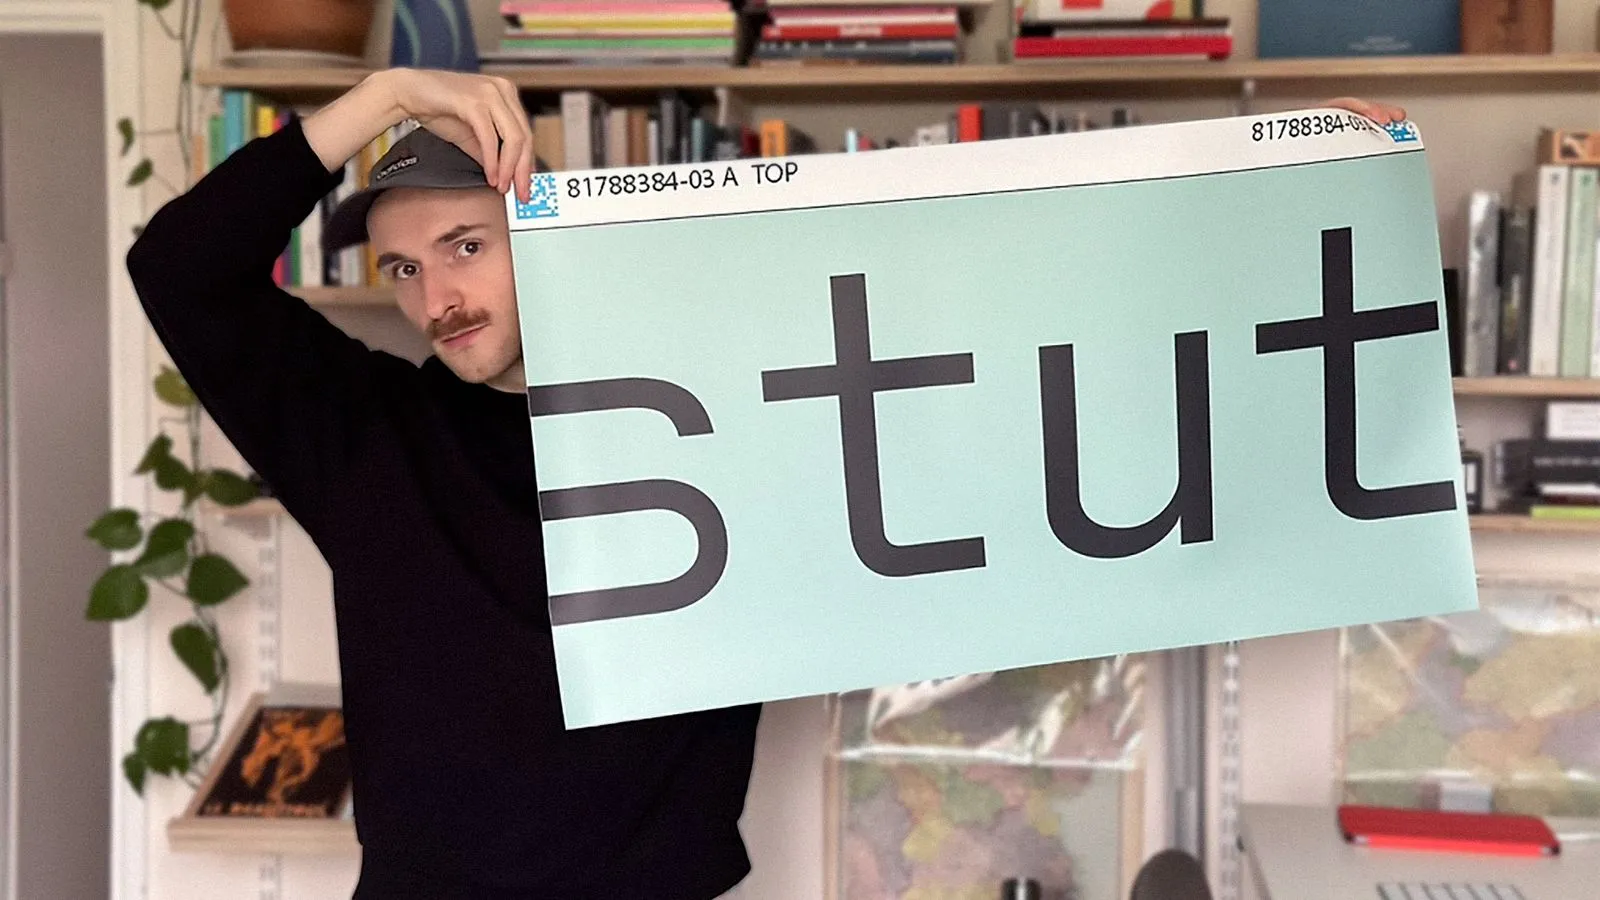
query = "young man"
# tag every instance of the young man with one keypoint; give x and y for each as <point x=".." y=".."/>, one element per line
<point x="416" y="483"/>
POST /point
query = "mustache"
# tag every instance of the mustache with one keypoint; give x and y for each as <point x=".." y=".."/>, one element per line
<point x="455" y="323"/>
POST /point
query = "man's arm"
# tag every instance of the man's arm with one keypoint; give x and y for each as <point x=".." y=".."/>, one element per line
<point x="289" y="389"/>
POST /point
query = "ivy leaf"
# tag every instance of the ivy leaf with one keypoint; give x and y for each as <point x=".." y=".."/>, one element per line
<point x="163" y="746"/>
<point x="133" y="768"/>
<point x="157" y="5"/>
<point x="118" y="594"/>
<point x="172" y="389"/>
<point x="167" y="550"/>
<point x="212" y="579"/>
<point x="125" y="128"/>
<point x="198" y="652"/>
<point x="159" y="449"/>
<point x="141" y="173"/>
<point x="117" y="530"/>
<point x="229" y="489"/>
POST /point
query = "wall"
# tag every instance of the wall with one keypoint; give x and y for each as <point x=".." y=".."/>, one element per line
<point x="51" y="120"/>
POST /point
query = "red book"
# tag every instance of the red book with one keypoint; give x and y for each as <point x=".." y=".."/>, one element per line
<point x="1210" y="46"/>
<point x="969" y="123"/>
<point x="1496" y="834"/>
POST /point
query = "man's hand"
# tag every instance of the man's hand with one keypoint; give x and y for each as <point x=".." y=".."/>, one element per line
<point x="481" y="114"/>
<point x="1382" y="113"/>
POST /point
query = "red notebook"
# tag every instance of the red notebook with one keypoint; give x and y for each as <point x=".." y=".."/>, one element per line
<point x="1447" y="832"/>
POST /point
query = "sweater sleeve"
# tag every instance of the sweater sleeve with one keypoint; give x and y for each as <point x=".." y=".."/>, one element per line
<point x="284" y="385"/>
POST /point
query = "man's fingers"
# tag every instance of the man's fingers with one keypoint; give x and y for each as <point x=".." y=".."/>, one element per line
<point x="512" y="143"/>
<point x="489" y="144"/>
<point x="522" y="162"/>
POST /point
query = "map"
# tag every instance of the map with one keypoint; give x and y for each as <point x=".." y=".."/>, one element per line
<point x="1506" y="699"/>
<point x="945" y="789"/>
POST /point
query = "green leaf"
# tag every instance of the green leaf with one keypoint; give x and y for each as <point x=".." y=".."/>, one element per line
<point x="212" y="579"/>
<point x="229" y="489"/>
<point x="141" y="173"/>
<point x="159" y="449"/>
<point x="172" y="389"/>
<point x="163" y="746"/>
<point x="167" y="551"/>
<point x="157" y="5"/>
<point x="117" y="530"/>
<point x="118" y="594"/>
<point x="194" y="646"/>
<point x="133" y="768"/>
<point x="171" y="474"/>
<point x="125" y="128"/>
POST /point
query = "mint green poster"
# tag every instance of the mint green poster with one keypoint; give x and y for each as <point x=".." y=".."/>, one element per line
<point x="820" y="423"/>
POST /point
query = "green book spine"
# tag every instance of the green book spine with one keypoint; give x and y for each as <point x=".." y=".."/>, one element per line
<point x="216" y="140"/>
<point x="1577" y="307"/>
<point x="1559" y="511"/>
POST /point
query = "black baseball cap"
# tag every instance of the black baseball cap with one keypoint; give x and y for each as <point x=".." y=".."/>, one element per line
<point x="421" y="159"/>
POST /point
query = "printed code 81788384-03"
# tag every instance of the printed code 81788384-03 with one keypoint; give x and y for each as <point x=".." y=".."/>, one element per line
<point x="1309" y="125"/>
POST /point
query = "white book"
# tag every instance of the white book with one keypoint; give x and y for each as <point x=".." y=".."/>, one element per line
<point x="655" y="142"/>
<point x="1483" y="289"/>
<point x="577" y="111"/>
<point x="617" y="136"/>
<point x="311" y="248"/>
<point x="1549" y="257"/>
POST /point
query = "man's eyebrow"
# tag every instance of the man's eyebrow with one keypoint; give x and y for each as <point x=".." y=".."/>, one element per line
<point x="458" y="232"/>
<point x="385" y="259"/>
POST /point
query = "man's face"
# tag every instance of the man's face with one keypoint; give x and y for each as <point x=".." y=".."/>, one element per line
<point x="448" y="254"/>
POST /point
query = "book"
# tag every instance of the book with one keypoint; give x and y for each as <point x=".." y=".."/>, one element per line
<point x="285" y="758"/>
<point x="1320" y="28"/>
<point x="1577" y="299"/>
<point x="1549" y="250"/>
<point x="1485" y="222"/>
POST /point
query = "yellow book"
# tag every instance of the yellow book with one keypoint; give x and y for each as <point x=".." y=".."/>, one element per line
<point x="266" y="119"/>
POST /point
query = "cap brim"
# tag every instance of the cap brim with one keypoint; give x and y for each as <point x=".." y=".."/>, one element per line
<point x="347" y="226"/>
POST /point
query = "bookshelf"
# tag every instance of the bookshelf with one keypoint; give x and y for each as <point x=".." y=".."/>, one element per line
<point x="1527" y="386"/>
<point x="1502" y="523"/>
<point x="290" y="837"/>
<point x="832" y="84"/>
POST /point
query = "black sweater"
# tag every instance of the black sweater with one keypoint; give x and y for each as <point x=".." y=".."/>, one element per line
<point x="418" y="489"/>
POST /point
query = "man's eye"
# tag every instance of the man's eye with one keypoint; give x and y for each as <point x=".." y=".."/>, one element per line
<point x="402" y="271"/>
<point x="470" y="248"/>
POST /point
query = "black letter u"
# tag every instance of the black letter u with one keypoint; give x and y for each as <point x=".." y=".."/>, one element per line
<point x="1191" y="500"/>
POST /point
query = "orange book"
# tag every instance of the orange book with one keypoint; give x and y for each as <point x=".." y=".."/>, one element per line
<point x="774" y="138"/>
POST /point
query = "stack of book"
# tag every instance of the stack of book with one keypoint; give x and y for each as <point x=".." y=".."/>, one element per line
<point x="1532" y="274"/>
<point x="627" y="32"/>
<point x="1118" y="30"/>
<point x="812" y="32"/>
<point x="1555" y="475"/>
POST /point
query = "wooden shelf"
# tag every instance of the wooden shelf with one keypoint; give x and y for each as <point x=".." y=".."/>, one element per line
<point x="255" y="509"/>
<point x="345" y="296"/>
<point x="850" y="82"/>
<point x="293" y="837"/>
<point x="1526" y="386"/>
<point x="1503" y="523"/>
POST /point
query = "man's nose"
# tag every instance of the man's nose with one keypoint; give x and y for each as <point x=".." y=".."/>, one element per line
<point x="439" y="295"/>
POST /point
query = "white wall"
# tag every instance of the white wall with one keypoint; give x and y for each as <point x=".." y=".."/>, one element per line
<point x="51" y="127"/>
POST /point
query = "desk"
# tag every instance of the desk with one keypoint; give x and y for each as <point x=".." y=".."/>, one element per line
<point x="1296" y="853"/>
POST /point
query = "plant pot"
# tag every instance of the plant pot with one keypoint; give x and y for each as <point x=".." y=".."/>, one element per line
<point x="323" y="26"/>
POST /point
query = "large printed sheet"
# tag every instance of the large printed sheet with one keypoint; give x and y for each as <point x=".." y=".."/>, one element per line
<point x="820" y="423"/>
